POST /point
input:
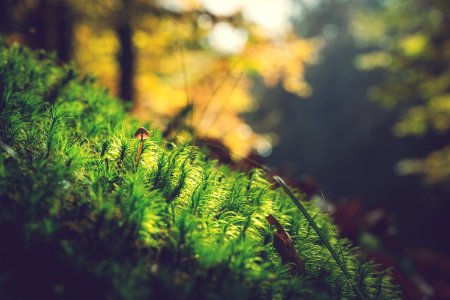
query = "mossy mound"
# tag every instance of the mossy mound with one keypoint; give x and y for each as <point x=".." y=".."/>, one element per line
<point x="79" y="220"/>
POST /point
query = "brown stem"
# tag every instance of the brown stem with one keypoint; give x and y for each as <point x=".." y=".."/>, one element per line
<point x="140" y="150"/>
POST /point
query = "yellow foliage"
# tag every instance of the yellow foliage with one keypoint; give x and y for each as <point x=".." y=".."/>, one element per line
<point x="435" y="167"/>
<point x="435" y="114"/>
<point x="95" y="53"/>
<point x="440" y="112"/>
<point x="413" y="45"/>
<point x="369" y="61"/>
<point x="413" y="123"/>
<point x="174" y="62"/>
<point x="414" y="51"/>
<point x="283" y="61"/>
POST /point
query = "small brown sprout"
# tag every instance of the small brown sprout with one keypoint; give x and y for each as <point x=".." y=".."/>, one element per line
<point x="140" y="134"/>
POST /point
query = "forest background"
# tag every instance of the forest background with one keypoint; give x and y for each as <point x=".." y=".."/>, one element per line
<point x="351" y="98"/>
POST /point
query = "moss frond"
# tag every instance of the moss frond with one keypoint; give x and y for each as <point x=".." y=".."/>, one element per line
<point x="175" y="225"/>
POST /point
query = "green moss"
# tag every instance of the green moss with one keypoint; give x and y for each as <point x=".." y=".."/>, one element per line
<point x="78" y="219"/>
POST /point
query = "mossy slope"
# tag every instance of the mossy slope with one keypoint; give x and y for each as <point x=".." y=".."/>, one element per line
<point x="79" y="220"/>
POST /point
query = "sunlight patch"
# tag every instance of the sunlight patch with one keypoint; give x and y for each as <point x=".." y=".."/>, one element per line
<point x="226" y="38"/>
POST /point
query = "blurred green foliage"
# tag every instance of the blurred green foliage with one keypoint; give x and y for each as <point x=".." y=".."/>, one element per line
<point x="80" y="220"/>
<point x="410" y="40"/>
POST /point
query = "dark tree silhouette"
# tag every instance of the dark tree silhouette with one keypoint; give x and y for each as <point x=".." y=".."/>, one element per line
<point x="126" y="60"/>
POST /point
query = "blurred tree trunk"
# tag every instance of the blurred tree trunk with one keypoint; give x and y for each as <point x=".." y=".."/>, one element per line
<point x="34" y="28"/>
<point x="50" y="27"/>
<point x="64" y="31"/>
<point x="126" y="59"/>
<point x="6" y="20"/>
